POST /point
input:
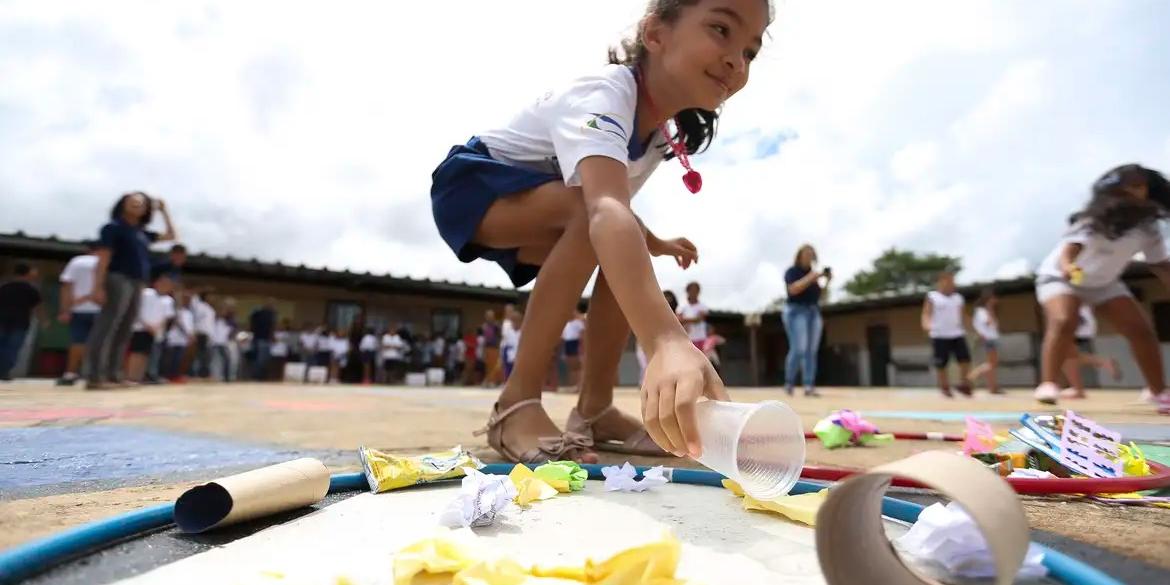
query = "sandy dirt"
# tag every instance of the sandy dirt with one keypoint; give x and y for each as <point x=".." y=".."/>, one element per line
<point x="410" y="420"/>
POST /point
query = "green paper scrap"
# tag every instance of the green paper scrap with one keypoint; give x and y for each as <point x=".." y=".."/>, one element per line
<point x="831" y="434"/>
<point x="564" y="472"/>
<point x="882" y="439"/>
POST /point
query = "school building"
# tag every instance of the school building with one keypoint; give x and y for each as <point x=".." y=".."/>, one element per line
<point x="873" y="341"/>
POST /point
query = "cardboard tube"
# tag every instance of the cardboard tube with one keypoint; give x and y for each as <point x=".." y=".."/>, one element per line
<point x="853" y="548"/>
<point x="253" y="494"/>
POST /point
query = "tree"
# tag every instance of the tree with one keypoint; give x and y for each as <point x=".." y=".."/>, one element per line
<point x="900" y="271"/>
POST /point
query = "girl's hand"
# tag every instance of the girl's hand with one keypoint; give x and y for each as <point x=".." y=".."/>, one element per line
<point x="676" y="378"/>
<point x="160" y="205"/>
<point x="684" y="252"/>
<point x="98" y="295"/>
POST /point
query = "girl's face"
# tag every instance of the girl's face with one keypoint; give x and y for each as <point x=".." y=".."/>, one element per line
<point x="134" y="207"/>
<point x="707" y="52"/>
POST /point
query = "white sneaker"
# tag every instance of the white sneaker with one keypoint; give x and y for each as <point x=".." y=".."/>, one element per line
<point x="1047" y="393"/>
<point x="1148" y="396"/>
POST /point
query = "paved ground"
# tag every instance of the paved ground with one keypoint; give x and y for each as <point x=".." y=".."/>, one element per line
<point x="69" y="456"/>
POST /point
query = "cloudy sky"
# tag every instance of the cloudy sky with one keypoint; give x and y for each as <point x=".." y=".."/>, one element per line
<point x="308" y="135"/>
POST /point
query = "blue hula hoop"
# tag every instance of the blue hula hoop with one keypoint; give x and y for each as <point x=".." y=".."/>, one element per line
<point x="41" y="555"/>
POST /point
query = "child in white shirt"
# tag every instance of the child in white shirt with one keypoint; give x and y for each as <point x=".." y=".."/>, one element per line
<point x="942" y="318"/>
<point x="1121" y="219"/>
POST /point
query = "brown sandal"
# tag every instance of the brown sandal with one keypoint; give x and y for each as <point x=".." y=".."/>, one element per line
<point x="548" y="449"/>
<point x="638" y="443"/>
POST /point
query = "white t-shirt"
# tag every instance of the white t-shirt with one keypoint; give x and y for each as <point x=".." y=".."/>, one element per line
<point x="221" y="333"/>
<point x="79" y="272"/>
<point x="204" y="315"/>
<point x="508" y="333"/>
<point x="340" y="346"/>
<point x="573" y="329"/>
<point x="1086" y="323"/>
<point x="458" y="352"/>
<point x="984" y="325"/>
<point x="168" y="309"/>
<point x="180" y="333"/>
<point x="324" y="342"/>
<point x="279" y="344"/>
<point x="1103" y="260"/>
<point x="308" y="341"/>
<point x="590" y="116"/>
<point x="392" y="346"/>
<point x="696" y="331"/>
<point x="946" y="315"/>
<point x="369" y="343"/>
<point x="150" y="311"/>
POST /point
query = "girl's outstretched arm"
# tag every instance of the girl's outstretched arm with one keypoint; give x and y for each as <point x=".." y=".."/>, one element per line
<point x="678" y="373"/>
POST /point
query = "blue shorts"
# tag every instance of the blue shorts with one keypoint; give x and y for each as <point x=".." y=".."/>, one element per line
<point x="463" y="187"/>
<point x="572" y="347"/>
<point x="80" y="325"/>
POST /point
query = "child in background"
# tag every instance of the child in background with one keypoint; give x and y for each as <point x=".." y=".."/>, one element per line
<point x="455" y="358"/>
<point x="221" y="337"/>
<point x="470" y="351"/>
<point x="693" y="315"/>
<point x="986" y="324"/>
<point x="203" y="314"/>
<point x="393" y="357"/>
<point x="339" y="344"/>
<point x="368" y="346"/>
<point x="571" y="340"/>
<point x="178" y="337"/>
<point x="942" y="318"/>
<point x="308" y="345"/>
<point x="711" y="347"/>
<point x="1083" y="356"/>
<point x="510" y="338"/>
<point x="151" y="318"/>
<point x="280" y="351"/>
<point x="1121" y="218"/>
<point x="323" y="351"/>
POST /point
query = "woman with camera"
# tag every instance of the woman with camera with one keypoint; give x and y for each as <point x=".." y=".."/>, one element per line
<point x="802" y="319"/>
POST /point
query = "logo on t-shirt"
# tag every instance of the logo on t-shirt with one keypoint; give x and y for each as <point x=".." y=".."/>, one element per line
<point x="606" y="123"/>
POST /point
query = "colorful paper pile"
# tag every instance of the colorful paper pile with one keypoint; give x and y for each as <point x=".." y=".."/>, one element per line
<point x="845" y="427"/>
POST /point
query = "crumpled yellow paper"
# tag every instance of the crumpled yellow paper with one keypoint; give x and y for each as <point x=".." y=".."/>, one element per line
<point x="650" y="564"/>
<point x="1133" y="461"/>
<point x="529" y="487"/>
<point x="801" y="508"/>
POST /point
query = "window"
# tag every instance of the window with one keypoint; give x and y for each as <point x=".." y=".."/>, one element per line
<point x="341" y="315"/>
<point x="1162" y="321"/>
<point x="447" y="322"/>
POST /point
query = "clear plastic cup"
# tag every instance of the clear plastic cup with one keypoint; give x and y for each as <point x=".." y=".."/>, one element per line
<point x="758" y="445"/>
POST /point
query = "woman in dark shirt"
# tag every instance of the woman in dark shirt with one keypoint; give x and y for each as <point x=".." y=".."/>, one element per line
<point x="123" y="252"/>
<point x="802" y="319"/>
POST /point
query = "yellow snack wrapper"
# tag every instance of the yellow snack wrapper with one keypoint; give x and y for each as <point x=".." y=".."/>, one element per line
<point x="529" y="487"/>
<point x="386" y="472"/>
<point x="654" y="563"/>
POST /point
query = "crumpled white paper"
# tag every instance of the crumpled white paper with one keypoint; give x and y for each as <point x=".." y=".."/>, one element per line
<point x="946" y="537"/>
<point x="622" y="478"/>
<point x="481" y="498"/>
<point x="1030" y="473"/>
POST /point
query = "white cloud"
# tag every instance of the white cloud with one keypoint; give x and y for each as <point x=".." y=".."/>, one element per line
<point x="291" y="132"/>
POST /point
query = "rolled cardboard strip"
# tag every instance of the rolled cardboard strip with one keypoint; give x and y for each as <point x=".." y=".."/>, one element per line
<point x="253" y="494"/>
<point x="852" y="545"/>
